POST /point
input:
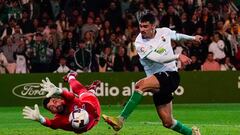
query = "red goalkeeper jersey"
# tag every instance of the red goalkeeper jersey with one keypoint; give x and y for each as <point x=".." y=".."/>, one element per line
<point x="87" y="101"/>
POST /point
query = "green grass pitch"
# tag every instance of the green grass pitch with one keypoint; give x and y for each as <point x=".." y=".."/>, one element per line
<point x="212" y="119"/>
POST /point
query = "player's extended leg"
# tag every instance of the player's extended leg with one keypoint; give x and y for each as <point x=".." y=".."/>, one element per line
<point x="169" y="82"/>
<point x="75" y="85"/>
<point x="165" y="113"/>
<point x="92" y="87"/>
<point x="141" y="86"/>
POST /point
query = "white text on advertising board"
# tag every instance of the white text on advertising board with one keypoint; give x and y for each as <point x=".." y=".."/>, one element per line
<point x="33" y="90"/>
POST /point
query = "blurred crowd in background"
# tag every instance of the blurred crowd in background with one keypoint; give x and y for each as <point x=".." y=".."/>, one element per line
<point x="39" y="36"/>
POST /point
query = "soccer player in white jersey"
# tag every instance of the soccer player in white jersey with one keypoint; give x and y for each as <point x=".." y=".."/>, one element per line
<point x="156" y="55"/>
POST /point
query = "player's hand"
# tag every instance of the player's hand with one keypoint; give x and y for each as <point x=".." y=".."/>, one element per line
<point x="32" y="114"/>
<point x="50" y="88"/>
<point x="184" y="59"/>
<point x="198" y="38"/>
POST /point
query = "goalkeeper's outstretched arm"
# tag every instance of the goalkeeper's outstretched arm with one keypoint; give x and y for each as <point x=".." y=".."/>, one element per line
<point x="51" y="90"/>
<point x="33" y="114"/>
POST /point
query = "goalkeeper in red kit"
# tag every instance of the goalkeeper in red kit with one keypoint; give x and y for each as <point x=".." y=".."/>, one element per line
<point x="67" y="102"/>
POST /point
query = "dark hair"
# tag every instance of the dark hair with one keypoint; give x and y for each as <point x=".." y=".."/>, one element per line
<point x="148" y="17"/>
<point x="45" y="102"/>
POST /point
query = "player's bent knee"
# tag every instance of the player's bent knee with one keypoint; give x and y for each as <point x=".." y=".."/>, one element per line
<point x="139" y="86"/>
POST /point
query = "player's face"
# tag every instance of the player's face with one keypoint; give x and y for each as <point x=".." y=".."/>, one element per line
<point x="147" y="30"/>
<point x="56" y="105"/>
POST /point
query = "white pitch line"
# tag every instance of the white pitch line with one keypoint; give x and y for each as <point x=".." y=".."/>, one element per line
<point x="215" y="125"/>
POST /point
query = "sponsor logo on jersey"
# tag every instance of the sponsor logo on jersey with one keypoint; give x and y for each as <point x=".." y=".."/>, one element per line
<point x="160" y="50"/>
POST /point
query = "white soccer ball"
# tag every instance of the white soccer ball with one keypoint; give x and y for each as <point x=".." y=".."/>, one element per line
<point x="79" y="118"/>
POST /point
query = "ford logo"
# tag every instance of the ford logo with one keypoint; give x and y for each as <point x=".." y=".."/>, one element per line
<point x="29" y="91"/>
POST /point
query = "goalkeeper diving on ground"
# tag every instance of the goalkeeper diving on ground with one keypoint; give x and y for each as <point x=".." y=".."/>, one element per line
<point x="85" y="104"/>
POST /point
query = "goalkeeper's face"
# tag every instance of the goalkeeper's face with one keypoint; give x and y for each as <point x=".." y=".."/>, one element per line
<point x="56" y="105"/>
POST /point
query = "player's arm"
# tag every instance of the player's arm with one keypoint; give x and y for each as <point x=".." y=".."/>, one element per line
<point x="33" y="114"/>
<point x="53" y="123"/>
<point x="154" y="56"/>
<point x="187" y="37"/>
<point x="51" y="89"/>
<point x="158" y="56"/>
<point x="179" y="36"/>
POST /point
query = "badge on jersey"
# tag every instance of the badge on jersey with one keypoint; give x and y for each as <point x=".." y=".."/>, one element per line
<point x="163" y="39"/>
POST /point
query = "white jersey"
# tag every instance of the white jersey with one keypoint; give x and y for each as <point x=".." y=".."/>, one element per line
<point x="161" y="44"/>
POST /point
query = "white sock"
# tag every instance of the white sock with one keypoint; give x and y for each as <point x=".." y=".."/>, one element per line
<point x="174" y="124"/>
<point x="71" y="77"/>
<point x="93" y="91"/>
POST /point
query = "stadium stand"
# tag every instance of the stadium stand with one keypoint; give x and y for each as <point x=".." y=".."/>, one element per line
<point x="36" y="35"/>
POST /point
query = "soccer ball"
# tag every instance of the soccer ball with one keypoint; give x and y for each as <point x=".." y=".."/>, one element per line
<point x="79" y="118"/>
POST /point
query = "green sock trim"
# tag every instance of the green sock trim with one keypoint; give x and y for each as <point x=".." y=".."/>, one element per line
<point x="180" y="128"/>
<point x="131" y="104"/>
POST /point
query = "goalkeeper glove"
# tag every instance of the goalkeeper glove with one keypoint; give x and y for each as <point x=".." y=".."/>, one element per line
<point x="33" y="114"/>
<point x="50" y="88"/>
